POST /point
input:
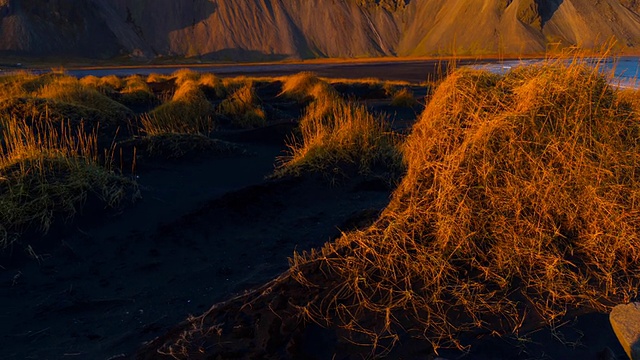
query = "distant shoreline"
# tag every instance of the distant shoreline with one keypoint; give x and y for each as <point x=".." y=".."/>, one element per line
<point x="130" y="63"/>
<point x="409" y="69"/>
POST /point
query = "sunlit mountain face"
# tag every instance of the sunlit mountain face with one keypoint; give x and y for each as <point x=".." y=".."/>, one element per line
<point x="283" y="29"/>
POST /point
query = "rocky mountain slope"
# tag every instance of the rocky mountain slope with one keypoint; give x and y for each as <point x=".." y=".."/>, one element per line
<point x="280" y="29"/>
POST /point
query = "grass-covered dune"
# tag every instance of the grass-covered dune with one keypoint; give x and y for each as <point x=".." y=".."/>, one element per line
<point x="338" y="137"/>
<point x="65" y="140"/>
<point x="519" y="206"/>
<point x="48" y="172"/>
<point x="201" y="151"/>
<point x="521" y="195"/>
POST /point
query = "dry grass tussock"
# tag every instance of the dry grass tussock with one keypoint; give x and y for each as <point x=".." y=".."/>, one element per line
<point x="188" y="111"/>
<point x="136" y="92"/>
<point x="132" y="91"/>
<point x="521" y="200"/>
<point x="213" y="86"/>
<point x="182" y="76"/>
<point x="403" y="98"/>
<point x="243" y="108"/>
<point x="68" y="89"/>
<point x="25" y="84"/>
<point x="47" y="172"/>
<point x="157" y="78"/>
<point x="300" y="87"/>
<point x="210" y="83"/>
<point x="63" y="91"/>
<point x="34" y="110"/>
<point x="105" y="84"/>
<point x="337" y="135"/>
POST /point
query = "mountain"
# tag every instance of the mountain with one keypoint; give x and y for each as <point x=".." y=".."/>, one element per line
<point x="281" y="29"/>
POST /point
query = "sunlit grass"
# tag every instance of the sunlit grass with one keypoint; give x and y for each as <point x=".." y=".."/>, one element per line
<point x="520" y="199"/>
<point x="47" y="172"/>
<point x="337" y="136"/>
<point x="403" y="98"/>
<point x="243" y="107"/>
<point x="188" y="111"/>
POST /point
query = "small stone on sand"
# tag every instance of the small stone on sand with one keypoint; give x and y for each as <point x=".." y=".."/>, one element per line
<point x="625" y="320"/>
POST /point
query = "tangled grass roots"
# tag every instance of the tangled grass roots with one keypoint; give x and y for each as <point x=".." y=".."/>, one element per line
<point x="521" y="193"/>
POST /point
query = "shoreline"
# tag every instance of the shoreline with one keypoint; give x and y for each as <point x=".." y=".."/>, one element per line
<point x="159" y="63"/>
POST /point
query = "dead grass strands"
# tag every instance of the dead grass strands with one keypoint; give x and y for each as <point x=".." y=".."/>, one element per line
<point x="403" y="98"/>
<point x="48" y="171"/>
<point x="188" y="111"/>
<point x="337" y="136"/>
<point x="243" y="108"/>
<point x="521" y="193"/>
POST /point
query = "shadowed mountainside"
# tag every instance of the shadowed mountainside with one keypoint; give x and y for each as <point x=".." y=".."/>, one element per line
<point x="279" y="29"/>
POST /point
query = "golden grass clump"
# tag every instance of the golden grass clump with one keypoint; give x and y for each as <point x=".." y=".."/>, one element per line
<point x="212" y="86"/>
<point x="188" y="111"/>
<point x="300" y="86"/>
<point x="24" y="83"/>
<point x="91" y="81"/>
<point x="33" y="109"/>
<point x="243" y="108"/>
<point x="69" y="90"/>
<point x="339" y="136"/>
<point x="157" y="78"/>
<point x="57" y="96"/>
<point x="47" y="172"/>
<point x="521" y="201"/>
<point x="106" y="84"/>
<point x="403" y="98"/>
<point x="630" y="97"/>
<point x="185" y="75"/>
<point x="136" y="92"/>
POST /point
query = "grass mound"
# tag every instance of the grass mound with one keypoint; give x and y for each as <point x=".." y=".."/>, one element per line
<point x="47" y="172"/>
<point x="300" y="87"/>
<point x="212" y="86"/>
<point x="188" y="111"/>
<point x="61" y="92"/>
<point x="521" y="201"/>
<point x="25" y="83"/>
<point x="337" y="137"/>
<point x="34" y="110"/>
<point x="403" y="98"/>
<point x="182" y="76"/>
<point x="106" y="84"/>
<point x="243" y="108"/>
<point x="70" y="90"/>
<point x="136" y="93"/>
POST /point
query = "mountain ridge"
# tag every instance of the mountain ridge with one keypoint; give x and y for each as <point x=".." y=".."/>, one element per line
<point x="292" y="29"/>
